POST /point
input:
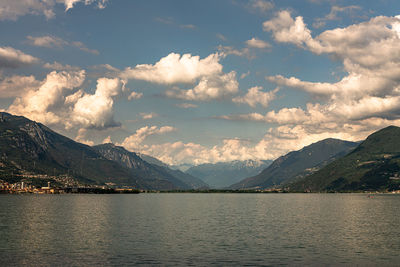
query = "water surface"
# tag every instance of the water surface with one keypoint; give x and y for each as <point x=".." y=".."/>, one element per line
<point x="199" y="229"/>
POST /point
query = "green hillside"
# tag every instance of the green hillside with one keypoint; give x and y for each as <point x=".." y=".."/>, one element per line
<point x="297" y="164"/>
<point x="373" y="165"/>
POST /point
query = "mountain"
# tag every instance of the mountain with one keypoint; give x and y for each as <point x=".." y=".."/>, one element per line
<point x="193" y="182"/>
<point x="27" y="147"/>
<point x="223" y="174"/>
<point x="155" y="168"/>
<point x="373" y="165"/>
<point x="297" y="164"/>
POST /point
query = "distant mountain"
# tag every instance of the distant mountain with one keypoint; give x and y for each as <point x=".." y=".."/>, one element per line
<point x="297" y="164"/>
<point x="182" y="167"/>
<point x="373" y="165"/>
<point x="147" y="166"/>
<point x="193" y="182"/>
<point x="27" y="147"/>
<point x="152" y="160"/>
<point x="223" y="174"/>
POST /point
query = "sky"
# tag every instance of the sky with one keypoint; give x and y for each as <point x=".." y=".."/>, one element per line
<point x="195" y="82"/>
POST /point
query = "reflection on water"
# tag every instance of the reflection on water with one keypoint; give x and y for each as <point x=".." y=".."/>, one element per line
<point x="199" y="229"/>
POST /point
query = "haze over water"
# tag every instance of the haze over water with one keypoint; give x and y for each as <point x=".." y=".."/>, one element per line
<point x="199" y="229"/>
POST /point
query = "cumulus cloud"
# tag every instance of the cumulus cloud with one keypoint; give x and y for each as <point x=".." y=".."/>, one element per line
<point x="12" y="9"/>
<point x="255" y="96"/>
<point x="13" y="58"/>
<point x="134" y="142"/>
<point x="208" y="88"/>
<point x="56" y="42"/>
<point x="135" y="95"/>
<point x="58" y="100"/>
<point x="81" y="137"/>
<point x="17" y="85"/>
<point x="175" y="68"/>
<point x="212" y="82"/>
<point x="257" y="43"/>
<point x="366" y="99"/>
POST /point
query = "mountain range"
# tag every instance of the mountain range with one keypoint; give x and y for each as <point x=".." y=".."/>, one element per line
<point x="29" y="148"/>
<point x="373" y="165"/>
<point x="223" y="174"/>
<point x="297" y="164"/>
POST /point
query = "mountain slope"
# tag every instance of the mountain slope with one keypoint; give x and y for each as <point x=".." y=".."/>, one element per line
<point x="145" y="169"/>
<point x="223" y="174"/>
<point x="188" y="179"/>
<point x="298" y="164"/>
<point x="373" y="165"/>
<point x="30" y="147"/>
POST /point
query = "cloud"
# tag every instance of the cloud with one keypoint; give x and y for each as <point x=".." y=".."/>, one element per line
<point x="186" y="105"/>
<point x="13" y="58"/>
<point x="175" y="68"/>
<point x="57" y="100"/>
<point x="244" y="75"/>
<point x="255" y="96"/>
<point x="171" y="21"/>
<point x="148" y="116"/>
<point x="135" y="142"/>
<point x="287" y="30"/>
<point x="46" y="41"/>
<point x="260" y="5"/>
<point x="58" y="66"/>
<point x="12" y="9"/>
<point x="70" y="3"/>
<point x="333" y="14"/>
<point x="81" y="137"/>
<point x="17" y="85"/>
<point x="107" y="140"/>
<point x="96" y="111"/>
<point x="221" y="37"/>
<point x="229" y="50"/>
<point x="369" y="51"/>
<point x="256" y="43"/>
<point x="135" y="95"/>
<point x="212" y="82"/>
<point x="56" y="42"/>
<point x="208" y="88"/>
<point x="43" y="103"/>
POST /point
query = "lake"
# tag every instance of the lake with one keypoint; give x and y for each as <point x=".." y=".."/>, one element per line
<point x="199" y="229"/>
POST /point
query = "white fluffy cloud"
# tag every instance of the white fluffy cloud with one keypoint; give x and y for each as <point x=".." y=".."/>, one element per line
<point x="57" y="100"/>
<point x="208" y="88"/>
<point x="370" y="53"/>
<point x="13" y="58"/>
<point x="212" y="82"/>
<point x="255" y="96"/>
<point x="12" y="9"/>
<point x="17" y="85"/>
<point x="134" y="142"/>
<point x="175" y="68"/>
<point x="257" y="43"/>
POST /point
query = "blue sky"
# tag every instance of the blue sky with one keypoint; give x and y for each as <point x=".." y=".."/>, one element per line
<point x="202" y="81"/>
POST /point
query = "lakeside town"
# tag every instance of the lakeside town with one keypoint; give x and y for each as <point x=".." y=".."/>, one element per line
<point x="26" y="188"/>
